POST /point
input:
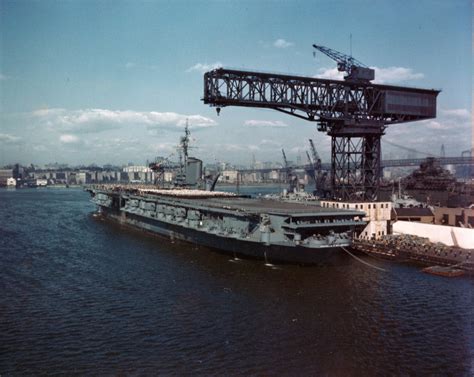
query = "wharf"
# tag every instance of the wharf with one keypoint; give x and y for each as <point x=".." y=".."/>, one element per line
<point x="417" y="249"/>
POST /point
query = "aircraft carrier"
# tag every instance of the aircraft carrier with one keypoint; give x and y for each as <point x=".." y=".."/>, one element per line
<point x="273" y="230"/>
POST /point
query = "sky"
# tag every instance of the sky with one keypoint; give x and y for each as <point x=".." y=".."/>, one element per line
<point x="101" y="82"/>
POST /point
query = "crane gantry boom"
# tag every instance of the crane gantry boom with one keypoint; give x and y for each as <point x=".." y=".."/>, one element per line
<point x="354" y="112"/>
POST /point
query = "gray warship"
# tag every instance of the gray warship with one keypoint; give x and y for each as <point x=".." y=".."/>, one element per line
<point x="270" y="229"/>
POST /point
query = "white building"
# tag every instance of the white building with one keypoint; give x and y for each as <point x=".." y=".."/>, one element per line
<point x="229" y="176"/>
<point x="378" y="215"/>
<point x="40" y="182"/>
<point x="137" y="169"/>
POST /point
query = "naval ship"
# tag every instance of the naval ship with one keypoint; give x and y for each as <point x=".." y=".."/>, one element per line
<point x="270" y="229"/>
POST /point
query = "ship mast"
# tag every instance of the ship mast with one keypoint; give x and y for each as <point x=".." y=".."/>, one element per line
<point x="183" y="152"/>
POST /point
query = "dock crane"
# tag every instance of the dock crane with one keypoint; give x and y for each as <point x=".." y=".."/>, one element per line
<point x="319" y="175"/>
<point x="356" y="71"/>
<point x="286" y="165"/>
<point x="354" y="112"/>
<point x="311" y="171"/>
<point x="291" y="178"/>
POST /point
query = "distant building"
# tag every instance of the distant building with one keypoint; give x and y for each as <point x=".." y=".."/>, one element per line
<point x="11" y="182"/>
<point x="41" y="182"/>
<point x="4" y="175"/>
<point x="229" y="176"/>
<point x="137" y="169"/>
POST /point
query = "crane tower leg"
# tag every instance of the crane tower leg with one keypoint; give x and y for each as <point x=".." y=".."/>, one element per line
<point x="355" y="163"/>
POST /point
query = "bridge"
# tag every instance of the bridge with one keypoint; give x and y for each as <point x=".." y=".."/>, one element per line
<point x="384" y="164"/>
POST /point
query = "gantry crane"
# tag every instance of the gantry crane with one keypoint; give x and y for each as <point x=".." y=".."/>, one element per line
<point x="354" y="112"/>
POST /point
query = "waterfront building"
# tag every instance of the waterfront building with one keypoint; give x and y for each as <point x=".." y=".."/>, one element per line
<point x="417" y="214"/>
<point x="4" y="175"/>
<point x="377" y="216"/>
<point x="459" y="217"/>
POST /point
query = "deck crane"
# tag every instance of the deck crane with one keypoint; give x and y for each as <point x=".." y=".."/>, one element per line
<point x="159" y="166"/>
<point x="356" y="71"/>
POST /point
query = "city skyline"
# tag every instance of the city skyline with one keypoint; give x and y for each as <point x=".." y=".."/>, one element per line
<point x="84" y="82"/>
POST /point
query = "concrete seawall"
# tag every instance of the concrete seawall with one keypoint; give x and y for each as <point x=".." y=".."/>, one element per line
<point x="448" y="235"/>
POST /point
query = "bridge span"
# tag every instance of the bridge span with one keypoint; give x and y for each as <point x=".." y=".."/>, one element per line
<point x="384" y="164"/>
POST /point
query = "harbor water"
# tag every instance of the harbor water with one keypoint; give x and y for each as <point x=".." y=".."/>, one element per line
<point x="83" y="296"/>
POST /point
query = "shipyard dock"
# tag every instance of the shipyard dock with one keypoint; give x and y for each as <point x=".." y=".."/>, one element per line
<point x="410" y="248"/>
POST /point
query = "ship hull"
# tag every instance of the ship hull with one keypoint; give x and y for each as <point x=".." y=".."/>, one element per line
<point x="224" y="244"/>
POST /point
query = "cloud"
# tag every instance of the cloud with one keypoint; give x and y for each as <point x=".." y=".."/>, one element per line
<point x="98" y="120"/>
<point x="452" y="128"/>
<point x="265" y="123"/>
<point x="395" y="75"/>
<point x="282" y="43"/>
<point x="40" y="148"/>
<point x="9" y="139"/>
<point x="457" y="113"/>
<point x="330" y="74"/>
<point x="391" y="75"/>
<point x="69" y="139"/>
<point x="3" y="77"/>
<point x="435" y="125"/>
<point x="270" y="143"/>
<point x="130" y="65"/>
<point x="204" y="67"/>
<point x="231" y="147"/>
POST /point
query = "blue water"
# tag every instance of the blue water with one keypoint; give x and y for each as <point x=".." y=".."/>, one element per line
<point x="81" y="296"/>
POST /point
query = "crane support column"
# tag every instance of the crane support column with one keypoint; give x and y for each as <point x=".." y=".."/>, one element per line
<point x="355" y="160"/>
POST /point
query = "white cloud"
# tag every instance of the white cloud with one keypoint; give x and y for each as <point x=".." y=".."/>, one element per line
<point x="388" y="75"/>
<point x="130" y="65"/>
<point x="457" y="113"/>
<point x="3" y="77"/>
<point x="330" y="73"/>
<point x="204" y="67"/>
<point x="298" y="149"/>
<point x="435" y="125"/>
<point x="97" y="120"/>
<point x="69" y="139"/>
<point x="40" y="148"/>
<point x="9" y="139"/>
<point x="282" y="43"/>
<point x="230" y="147"/>
<point x="395" y="75"/>
<point x="264" y="123"/>
<point x="270" y="143"/>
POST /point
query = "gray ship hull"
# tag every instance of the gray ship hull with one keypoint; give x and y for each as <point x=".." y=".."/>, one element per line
<point x="271" y="230"/>
<point x="231" y="246"/>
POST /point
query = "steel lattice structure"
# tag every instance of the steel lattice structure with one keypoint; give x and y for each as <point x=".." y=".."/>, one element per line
<point x="354" y="114"/>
